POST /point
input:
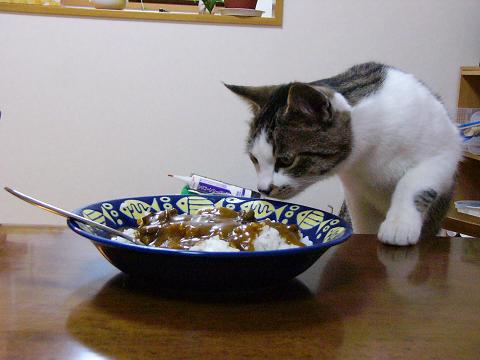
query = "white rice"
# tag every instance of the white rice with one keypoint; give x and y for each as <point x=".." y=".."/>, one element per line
<point x="129" y="232"/>
<point x="213" y="244"/>
<point x="268" y="239"/>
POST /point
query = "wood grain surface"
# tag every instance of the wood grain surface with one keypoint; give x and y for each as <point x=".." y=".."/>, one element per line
<point x="60" y="299"/>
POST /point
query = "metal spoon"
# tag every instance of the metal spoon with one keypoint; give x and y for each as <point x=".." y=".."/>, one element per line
<point x="68" y="214"/>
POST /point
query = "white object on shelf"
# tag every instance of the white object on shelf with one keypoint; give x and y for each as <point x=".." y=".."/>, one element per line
<point x="475" y="116"/>
<point x="472" y="145"/>
<point x="241" y="12"/>
<point x="467" y="115"/>
<point x="470" y="207"/>
<point x="202" y="9"/>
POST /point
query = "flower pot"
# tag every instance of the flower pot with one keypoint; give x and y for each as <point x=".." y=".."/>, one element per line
<point x="241" y="4"/>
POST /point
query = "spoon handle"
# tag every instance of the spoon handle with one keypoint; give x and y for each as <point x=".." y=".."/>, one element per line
<point x="66" y="214"/>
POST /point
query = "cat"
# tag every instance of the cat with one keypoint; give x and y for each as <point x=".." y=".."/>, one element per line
<point x="382" y="131"/>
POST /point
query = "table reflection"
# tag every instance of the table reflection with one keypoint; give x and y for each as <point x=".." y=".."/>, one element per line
<point x="139" y="317"/>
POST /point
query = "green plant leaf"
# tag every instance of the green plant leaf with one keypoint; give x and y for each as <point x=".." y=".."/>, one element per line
<point x="210" y="4"/>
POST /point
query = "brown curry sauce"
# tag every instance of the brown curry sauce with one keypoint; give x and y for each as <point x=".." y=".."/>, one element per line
<point x="168" y="229"/>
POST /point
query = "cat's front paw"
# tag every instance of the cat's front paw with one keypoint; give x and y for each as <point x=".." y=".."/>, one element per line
<point x="401" y="230"/>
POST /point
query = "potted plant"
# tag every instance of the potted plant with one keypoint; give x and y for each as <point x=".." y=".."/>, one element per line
<point x="241" y="4"/>
<point x="206" y="5"/>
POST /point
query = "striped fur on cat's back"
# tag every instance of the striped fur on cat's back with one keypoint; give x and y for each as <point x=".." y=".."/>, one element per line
<point x="382" y="131"/>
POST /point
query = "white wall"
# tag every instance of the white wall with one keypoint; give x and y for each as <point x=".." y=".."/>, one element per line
<point x="98" y="109"/>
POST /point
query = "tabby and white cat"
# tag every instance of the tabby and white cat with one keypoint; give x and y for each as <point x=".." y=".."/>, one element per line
<point x="387" y="137"/>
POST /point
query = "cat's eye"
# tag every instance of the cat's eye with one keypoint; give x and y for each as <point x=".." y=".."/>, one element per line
<point x="253" y="159"/>
<point x="284" y="161"/>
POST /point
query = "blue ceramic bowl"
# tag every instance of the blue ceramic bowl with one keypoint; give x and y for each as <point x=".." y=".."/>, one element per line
<point x="210" y="270"/>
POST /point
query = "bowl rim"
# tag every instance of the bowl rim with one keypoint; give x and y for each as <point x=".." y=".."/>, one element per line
<point x="242" y="254"/>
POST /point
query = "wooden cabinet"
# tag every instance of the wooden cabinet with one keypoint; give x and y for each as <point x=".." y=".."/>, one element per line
<point x="468" y="185"/>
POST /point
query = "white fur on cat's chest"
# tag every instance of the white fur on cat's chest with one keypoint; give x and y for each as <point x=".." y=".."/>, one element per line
<point x="396" y="130"/>
<point x="371" y="187"/>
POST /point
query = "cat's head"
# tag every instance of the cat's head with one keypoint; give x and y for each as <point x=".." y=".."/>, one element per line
<point x="298" y="134"/>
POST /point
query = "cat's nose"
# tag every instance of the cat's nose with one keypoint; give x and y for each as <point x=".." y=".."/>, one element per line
<point x="267" y="190"/>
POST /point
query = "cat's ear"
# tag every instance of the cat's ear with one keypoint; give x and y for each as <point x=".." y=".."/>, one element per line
<point x="310" y="102"/>
<point x="257" y="96"/>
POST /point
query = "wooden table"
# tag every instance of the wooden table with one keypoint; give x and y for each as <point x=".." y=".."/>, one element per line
<point x="60" y="299"/>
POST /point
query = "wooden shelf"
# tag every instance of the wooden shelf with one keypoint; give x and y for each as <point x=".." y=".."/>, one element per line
<point x="467" y="187"/>
<point x="462" y="223"/>
<point x="471" y="71"/>
<point x="471" y="156"/>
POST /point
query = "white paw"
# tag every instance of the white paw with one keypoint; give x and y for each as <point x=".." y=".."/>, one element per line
<point x="401" y="230"/>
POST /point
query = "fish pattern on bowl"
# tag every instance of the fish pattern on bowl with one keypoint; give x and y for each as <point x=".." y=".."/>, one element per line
<point x="326" y="228"/>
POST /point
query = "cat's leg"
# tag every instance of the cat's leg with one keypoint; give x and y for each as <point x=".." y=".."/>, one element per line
<point x="419" y="188"/>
